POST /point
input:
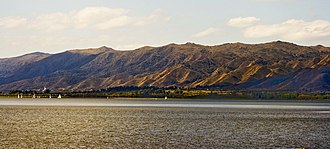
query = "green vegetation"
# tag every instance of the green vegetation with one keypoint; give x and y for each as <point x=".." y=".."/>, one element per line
<point x="173" y="92"/>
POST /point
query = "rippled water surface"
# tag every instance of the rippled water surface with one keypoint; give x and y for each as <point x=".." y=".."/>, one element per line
<point x="101" y="123"/>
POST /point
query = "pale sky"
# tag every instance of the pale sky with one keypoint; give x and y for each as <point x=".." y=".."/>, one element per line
<point x="55" y="26"/>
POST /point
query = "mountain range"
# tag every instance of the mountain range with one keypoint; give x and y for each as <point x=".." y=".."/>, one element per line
<point x="233" y="66"/>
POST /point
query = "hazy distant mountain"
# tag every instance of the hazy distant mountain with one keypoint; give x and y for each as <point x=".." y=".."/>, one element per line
<point x="269" y="66"/>
<point x="8" y="66"/>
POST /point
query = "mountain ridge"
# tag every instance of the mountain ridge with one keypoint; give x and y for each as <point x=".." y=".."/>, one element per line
<point x="275" y="65"/>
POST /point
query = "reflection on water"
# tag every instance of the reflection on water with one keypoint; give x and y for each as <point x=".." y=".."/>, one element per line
<point x="101" y="123"/>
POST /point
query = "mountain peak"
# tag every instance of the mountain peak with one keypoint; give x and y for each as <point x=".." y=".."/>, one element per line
<point x="146" y="48"/>
<point x="92" y="50"/>
<point x="38" y="53"/>
<point x="279" y="42"/>
<point x="190" y="43"/>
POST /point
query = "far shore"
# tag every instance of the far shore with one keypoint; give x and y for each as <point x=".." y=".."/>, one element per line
<point x="206" y="98"/>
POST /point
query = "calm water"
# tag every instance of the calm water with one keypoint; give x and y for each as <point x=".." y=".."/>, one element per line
<point x="103" y="123"/>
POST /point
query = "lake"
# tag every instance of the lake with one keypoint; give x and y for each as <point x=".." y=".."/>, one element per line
<point x="138" y="123"/>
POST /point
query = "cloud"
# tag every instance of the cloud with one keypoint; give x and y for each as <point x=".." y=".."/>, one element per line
<point x="90" y="16"/>
<point x="125" y="20"/>
<point x="295" y="30"/>
<point x="242" y="22"/>
<point x="99" y="18"/>
<point x="206" y="32"/>
<point x="114" y="22"/>
<point x="51" y="22"/>
<point x="12" y="22"/>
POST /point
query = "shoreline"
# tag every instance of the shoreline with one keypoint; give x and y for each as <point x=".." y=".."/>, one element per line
<point x="173" y="99"/>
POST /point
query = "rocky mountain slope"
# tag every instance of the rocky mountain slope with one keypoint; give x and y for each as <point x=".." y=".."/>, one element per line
<point x="8" y="66"/>
<point x="268" y="66"/>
